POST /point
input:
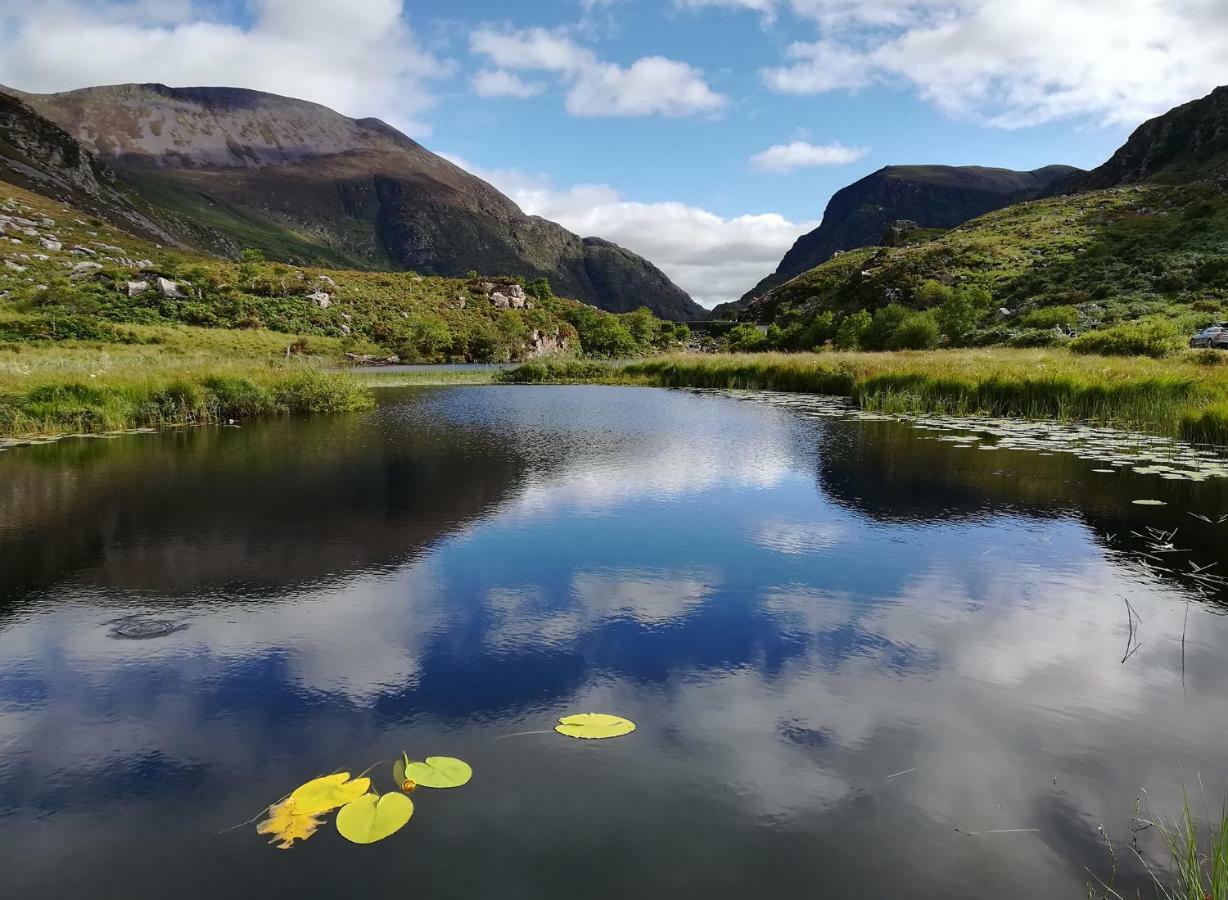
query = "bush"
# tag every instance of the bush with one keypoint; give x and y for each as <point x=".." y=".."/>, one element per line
<point x="918" y="331"/>
<point x="1052" y="317"/>
<point x="851" y="332"/>
<point x="1154" y="338"/>
<point x="883" y="326"/>
<point x="746" y="338"/>
<point x="960" y="312"/>
<point x="608" y="337"/>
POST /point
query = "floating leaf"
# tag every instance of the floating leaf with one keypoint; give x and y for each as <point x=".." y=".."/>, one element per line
<point x="406" y="783"/>
<point x="287" y="825"/>
<point x="594" y="726"/>
<point x="372" y="818"/>
<point x="328" y="793"/>
<point x="1150" y="503"/>
<point x="437" y="772"/>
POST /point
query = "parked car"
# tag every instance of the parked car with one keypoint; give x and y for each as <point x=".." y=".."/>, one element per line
<point x="1215" y="337"/>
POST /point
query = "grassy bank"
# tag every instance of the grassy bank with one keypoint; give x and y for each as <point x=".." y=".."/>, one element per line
<point x="197" y="376"/>
<point x="1185" y="396"/>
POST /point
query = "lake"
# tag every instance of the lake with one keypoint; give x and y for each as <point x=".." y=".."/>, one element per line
<point x="865" y="658"/>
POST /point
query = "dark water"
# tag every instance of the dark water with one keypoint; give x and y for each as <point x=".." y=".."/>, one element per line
<point x="792" y="610"/>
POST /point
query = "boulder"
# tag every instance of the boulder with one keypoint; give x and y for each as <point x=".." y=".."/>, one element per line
<point x="541" y="343"/>
<point x="52" y="245"/>
<point x="327" y="280"/>
<point x="136" y="288"/>
<point x="509" y="296"/>
<point x="12" y="266"/>
<point x="169" y="289"/>
<point x="84" y="251"/>
<point x="1002" y="314"/>
<point x="321" y="299"/>
<point x="84" y="270"/>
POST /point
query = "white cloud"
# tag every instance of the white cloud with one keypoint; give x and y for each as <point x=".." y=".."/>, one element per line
<point x="359" y="58"/>
<point x="491" y="83"/>
<point x="1013" y="64"/>
<point x="652" y="85"/>
<point x="800" y="155"/>
<point x="711" y="257"/>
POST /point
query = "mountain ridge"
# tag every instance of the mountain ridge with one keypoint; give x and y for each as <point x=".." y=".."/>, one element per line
<point x="932" y="196"/>
<point x="302" y="182"/>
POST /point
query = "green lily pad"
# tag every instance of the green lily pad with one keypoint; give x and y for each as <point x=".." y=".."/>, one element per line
<point x="435" y="772"/>
<point x="594" y="726"/>
<point x="372" y="818"/>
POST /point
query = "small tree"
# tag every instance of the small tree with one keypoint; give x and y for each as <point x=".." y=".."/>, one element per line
<point x="884" y="324"/>
<point x="852" y="330"/>
<point x="918" y="331"/>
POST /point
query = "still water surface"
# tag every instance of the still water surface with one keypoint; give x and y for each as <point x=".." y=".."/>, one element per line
<point x="864" y="662"/>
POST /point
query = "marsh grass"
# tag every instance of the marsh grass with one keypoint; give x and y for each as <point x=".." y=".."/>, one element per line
<point x="1199" y="856"/>
<point x="198" y="377"/>
<point x="1178" y="396"/>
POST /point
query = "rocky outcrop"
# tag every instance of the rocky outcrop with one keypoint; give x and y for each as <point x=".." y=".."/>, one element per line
<point x="294" y="178"/>
<point x="1186" y="143"/>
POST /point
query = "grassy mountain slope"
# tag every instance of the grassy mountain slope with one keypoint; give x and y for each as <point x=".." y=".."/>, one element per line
<point x="233" y="169"/>
<point x="1041" y="270"/>
<point x="930" y="196"/>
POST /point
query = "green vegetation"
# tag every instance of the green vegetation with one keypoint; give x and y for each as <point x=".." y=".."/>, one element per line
<point x="91" y="340"/>
<point x="1145" y="266"/>
<point x="1175" y="397"/>
<point x="1200" y="871"/>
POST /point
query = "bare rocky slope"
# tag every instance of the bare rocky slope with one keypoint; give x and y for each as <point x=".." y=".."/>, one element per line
<point x="225" y="169"/>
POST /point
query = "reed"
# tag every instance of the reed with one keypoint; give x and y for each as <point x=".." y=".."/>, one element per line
<point x="1180" y="396"/>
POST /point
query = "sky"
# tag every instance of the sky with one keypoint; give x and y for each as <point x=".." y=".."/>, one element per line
<point x="706" y="135"/>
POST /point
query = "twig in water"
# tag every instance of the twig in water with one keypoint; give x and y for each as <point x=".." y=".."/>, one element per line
<point x="523" y="733"/>
<point x="1003" y="831"/>
<point x="898" y="774"/>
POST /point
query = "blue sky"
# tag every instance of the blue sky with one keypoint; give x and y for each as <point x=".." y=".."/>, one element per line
<point x="705" y="134"/>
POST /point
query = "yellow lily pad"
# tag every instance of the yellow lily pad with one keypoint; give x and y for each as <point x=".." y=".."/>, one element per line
<point x="287" y="825"/>
<point x="325" y="794"/>
<point x="372" y="818"/>
<point x="594" y="726"/>
<point x="438" y="772"/>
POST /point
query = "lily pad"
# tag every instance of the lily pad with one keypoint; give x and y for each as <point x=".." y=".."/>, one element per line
<point x="435" y="772"/>
<point x="325" y="794"/>
<point x="372" y="818"/>
<point x="287" y="825"/>
<point x="594" y="726"/>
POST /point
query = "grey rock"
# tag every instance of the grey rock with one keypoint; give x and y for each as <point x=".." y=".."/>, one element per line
<point x="84" y="270"/>
<point x="50" y="244"/>
<point x="321" y="299"/>
<point x="15" y="267"/>
<point x="169" y="289"/>
<point x="136" y="288"/>
<point x="85" y="251"/>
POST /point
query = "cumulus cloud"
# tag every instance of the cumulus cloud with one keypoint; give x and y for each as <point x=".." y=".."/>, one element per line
<point x="502" y="83"/>
<point x="652" y="85"/>
<point x="1013" y="64"/>
<point x="369" y="62"/>
<point x="801" y="155"/>
<point x="711" y="257"/>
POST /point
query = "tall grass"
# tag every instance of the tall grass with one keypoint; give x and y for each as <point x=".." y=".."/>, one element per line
<point x="1199" y="859"/>
<point x="161" y="399"/>
<point x="1172" y="396"/>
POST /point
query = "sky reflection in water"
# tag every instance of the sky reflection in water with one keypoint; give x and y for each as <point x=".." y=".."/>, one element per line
<point x="792" y="611"/>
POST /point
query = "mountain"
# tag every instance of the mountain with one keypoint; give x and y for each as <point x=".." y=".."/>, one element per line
<point x="226" y="169"/>
<point x="931" y="196"/>
<point x="1186" y="143"/>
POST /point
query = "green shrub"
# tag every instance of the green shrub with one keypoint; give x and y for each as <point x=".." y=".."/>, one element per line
<point x="555" y="371"/>
<point x="851" y="332"/>
<point x="745" y="338"/>
<point x="1154" y="338"/>
<point x="886" y="321"/>
<point x="918" y="331"/>
<point x="1052" y="317"/>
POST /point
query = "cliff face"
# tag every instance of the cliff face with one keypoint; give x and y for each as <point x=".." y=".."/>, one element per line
<point x="303" y="183"/>
<point x="931" y="196"/>
<point x="1185" y="144"/>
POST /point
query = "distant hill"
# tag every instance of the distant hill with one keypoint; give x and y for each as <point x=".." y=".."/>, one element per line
<point x="931" y="196"/>
<point x="223" y="169"/>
